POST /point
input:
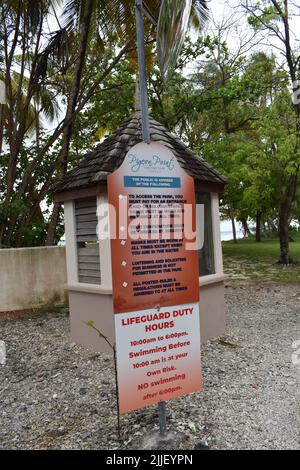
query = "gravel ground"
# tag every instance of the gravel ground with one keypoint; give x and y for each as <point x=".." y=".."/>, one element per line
<point x="55" y="394"/>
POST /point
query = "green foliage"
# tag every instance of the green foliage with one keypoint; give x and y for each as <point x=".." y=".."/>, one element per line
<point x="235" y="111"/>
<point x="104" y="114"/>
<point x="268" y="14"/>
<point x="240" y="119"/>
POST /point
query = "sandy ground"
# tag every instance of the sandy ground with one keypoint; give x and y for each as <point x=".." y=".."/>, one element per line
<point x="55" y="394"/>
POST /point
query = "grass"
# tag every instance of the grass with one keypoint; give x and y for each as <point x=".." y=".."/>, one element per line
<point x="255" y="263"/>
<point x="54" y="305"/>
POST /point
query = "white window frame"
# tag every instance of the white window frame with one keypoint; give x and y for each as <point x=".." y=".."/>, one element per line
<point x="218" y="275"/>
<point x="71" y="242"/>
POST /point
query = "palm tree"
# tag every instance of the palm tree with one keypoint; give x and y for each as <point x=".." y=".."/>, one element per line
<point x="21" y="71"/>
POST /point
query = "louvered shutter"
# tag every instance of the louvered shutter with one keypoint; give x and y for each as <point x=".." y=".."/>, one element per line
<point x="87" y="241"/>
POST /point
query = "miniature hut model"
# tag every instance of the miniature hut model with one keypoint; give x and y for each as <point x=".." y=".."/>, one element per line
<point x="84" y="188"/>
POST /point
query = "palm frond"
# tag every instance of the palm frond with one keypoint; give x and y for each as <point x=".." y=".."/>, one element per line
<point x="57" y="48"/>
<point x="32" y="12"/>
<point x="199" y="14"/>
<point x="108" y="17"/>
<point x="173" y="22"/>
<point x="174" y="19"/>
<point x="48" y="104"/>
<point x="71" y="15"/>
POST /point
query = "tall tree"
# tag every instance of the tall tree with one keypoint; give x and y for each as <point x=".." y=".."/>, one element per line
<point x="274" y="18"/>
<point x="84" y="27"/>
<point x="27" y="98"/>
<point x="24" y="29"/>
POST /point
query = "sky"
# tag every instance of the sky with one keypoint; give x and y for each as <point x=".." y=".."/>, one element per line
<point x="232" y="8"/>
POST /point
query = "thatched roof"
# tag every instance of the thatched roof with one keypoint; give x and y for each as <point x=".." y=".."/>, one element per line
<point x="109" y="155"/>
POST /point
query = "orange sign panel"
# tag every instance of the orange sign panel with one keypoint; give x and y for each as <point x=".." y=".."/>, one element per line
<point x="155" y="277"/>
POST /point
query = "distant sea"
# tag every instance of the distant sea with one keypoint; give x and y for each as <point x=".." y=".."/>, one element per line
<point x="227" y="235"/>
<point x="226" y="230"/>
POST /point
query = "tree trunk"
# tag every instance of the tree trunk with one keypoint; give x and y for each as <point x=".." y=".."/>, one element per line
<point x="284" y="257"/>
<point x="245" y="226"/>
<point x="273" y="230"/>
<point x="233" y="229"/>
<point x="53" y="224"/>
<point x="258" y="227"/>
<point x="284" y="220"/>
<point x="67" y="134"/>
<point x="1" y="125"/>
<point x="2" y="226"/>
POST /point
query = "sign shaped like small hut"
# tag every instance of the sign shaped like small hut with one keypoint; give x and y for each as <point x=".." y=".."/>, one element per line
<point x="84" y="191"/>
<point x="155" y="277"/>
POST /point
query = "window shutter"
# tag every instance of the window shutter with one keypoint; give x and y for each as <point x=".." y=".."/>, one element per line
<point x="87" y="241"/>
